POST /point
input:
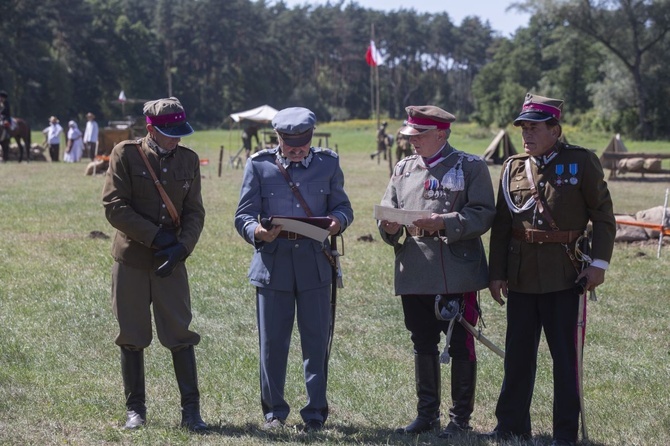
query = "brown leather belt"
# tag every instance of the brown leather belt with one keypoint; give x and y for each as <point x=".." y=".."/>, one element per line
<point x="540" y="236"/>
<point x="418" y="232"/>
<point x="290" y="235"/>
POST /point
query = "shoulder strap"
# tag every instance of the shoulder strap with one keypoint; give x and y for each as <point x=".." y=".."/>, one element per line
<point x="166" y="199"/>
<point x="294" y="189"/>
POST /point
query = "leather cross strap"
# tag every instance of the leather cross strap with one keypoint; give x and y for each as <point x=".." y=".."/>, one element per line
<point x="538" y="199"/>
<point x="166" y="199"/>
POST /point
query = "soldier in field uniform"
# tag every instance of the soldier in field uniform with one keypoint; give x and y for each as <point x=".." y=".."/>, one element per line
<point x="155" y="234"/>
<point x="546" y="198"/>
<point x="440" y="256"/>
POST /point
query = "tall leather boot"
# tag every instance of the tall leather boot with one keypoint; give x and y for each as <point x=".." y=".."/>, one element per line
<point x="187" y="380"/>
<point x="428" y="388"/>
<point x="463" y="385"/>
<point x="132" y="371"/>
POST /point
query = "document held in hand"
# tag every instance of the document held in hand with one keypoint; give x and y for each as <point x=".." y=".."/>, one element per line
<point x="313" y="227"/>
<point x="402" y="216"/>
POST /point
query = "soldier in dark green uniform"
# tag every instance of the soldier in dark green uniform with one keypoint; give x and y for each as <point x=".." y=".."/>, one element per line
<point x="546" y="198"/>
<point x="155" y="233"/>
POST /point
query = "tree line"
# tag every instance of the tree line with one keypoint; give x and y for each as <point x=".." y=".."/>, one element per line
<point x="606" y="58"/>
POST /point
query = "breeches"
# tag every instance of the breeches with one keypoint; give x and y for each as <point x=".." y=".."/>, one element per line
<point x="135" y="291"/>
<point x="425" y="328"/>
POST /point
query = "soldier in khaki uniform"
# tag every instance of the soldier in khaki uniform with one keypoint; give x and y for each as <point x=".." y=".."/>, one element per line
<point x="546" y="198"/>
<point x="442" y="255"/>
<point x="151" y="243"/>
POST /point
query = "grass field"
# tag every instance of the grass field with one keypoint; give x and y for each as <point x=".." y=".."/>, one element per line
<point x="60" y="380"/>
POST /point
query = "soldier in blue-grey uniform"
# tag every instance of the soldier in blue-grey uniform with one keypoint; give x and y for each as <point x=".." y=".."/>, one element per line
<point x="546" y="198"/>
<point x="441" y="255"/>
<point x="291" y="273"/>
<point x="155" y="233"/>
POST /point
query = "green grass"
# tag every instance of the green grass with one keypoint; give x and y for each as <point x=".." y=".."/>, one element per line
<point x="59" y="370"/>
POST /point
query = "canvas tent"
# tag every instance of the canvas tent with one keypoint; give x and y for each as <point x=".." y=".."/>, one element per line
<point x="614" y="146"/>
<point x="500" y="149"/>
<point x="262" y="114"/>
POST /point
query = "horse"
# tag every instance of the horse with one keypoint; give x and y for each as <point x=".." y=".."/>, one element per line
<point x="21" y="134"/>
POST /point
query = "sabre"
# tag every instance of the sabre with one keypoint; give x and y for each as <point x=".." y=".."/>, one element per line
<point x="581" y="329"/>
<point x="479" y="336"/>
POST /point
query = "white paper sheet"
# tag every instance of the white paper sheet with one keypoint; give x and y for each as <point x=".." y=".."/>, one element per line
<point x="302" y="228"/>
<point x="402" y="216"/>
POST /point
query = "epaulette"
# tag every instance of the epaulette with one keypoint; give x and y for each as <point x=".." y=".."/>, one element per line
<point x="400" y="166"/>
<point x="271" y="151"/>
<point x="325" y="151"/>
<point x="572" y="146"/>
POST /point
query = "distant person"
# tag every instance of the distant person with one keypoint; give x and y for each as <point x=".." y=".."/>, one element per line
<point x="249" y="132"/>
<point x="403" y="147"/>
<point x="158" y="223"/>
<point x="546" y="198"/>
<point x="53" y="136"/>
<point x="292" y="273"/>
<point x="74" y="147"/>
<point x="440" y="262"/>
<point x="91" y="135"/>
<point x="381" y="142"/>
<point x="5" y="124"/>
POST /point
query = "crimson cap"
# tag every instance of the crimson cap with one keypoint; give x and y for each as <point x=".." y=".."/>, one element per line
<point x="168" y="117"/>
<point x="422" y="118"/>
<point x="539" y="109"/>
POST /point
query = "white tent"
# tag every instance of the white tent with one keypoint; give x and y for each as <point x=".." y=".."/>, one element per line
<point x="262" y="114"/>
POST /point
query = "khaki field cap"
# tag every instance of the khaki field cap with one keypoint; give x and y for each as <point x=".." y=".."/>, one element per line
<point x="539" y="109"/>
<point x="168" y="117"/>
<point x="294" y="125"/>
<point x="422" y="118"/>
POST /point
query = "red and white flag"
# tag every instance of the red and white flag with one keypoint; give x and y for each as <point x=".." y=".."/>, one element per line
<point x="122" y="96"/>
<point x="372" y="56"/>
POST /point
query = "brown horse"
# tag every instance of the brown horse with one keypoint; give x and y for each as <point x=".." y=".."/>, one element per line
<point x="21" y="134"/>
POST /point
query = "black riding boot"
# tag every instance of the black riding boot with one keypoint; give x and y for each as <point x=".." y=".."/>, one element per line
<point x="187" y="380"/>
<point x="132" y="370"/>
<point x="427" y="375"/>
<point x="463" y="384"/>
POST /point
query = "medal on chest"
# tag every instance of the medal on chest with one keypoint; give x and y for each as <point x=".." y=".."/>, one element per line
<point x="432" y="189"/>
<point x="574" y="168"/>
<point x="560" y="169"/>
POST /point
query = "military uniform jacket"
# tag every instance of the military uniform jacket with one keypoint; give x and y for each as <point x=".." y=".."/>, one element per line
<point x="134" y="206"/>
<point x="284" y="264"/>
<point x="455" y="262"/>
<point x="575" y="192"/>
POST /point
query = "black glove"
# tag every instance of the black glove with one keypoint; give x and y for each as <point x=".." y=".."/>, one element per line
<point x="163" y="239"/>
<point x="175" y="254"/>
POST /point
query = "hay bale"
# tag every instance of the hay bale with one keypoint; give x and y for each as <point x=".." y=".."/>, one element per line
<point x="631" y="165"/>
<point x="654" y="216"/>
<point x="627" y="233"/>
<point x="652" y="165"/>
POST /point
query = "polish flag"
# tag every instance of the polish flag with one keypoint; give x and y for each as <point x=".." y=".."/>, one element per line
<point x="372" y="56"/>
<point x="122" y="96"/>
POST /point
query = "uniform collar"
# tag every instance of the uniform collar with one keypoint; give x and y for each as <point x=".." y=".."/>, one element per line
<point x="286" y="162"/>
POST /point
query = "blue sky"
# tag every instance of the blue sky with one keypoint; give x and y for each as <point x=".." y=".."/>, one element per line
<point x="491" y="10"/>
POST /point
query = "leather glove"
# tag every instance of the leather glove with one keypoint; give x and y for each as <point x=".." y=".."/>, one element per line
<point x="163" y="239"/>
<point x="175" y="254"/>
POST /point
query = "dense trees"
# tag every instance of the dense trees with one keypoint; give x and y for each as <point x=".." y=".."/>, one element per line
<point x="67" y="57"/>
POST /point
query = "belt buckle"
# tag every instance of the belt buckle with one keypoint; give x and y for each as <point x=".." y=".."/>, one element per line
<point x="291" y="235"/>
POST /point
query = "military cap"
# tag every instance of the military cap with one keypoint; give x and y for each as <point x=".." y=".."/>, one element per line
<point x="422" y="118"/>
<point x="539" y="109"/>
<point x="168" y="117"/>
<point x="294" y="125"/>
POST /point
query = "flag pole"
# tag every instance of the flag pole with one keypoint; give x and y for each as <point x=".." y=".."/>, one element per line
<point x="372" y="76"/>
